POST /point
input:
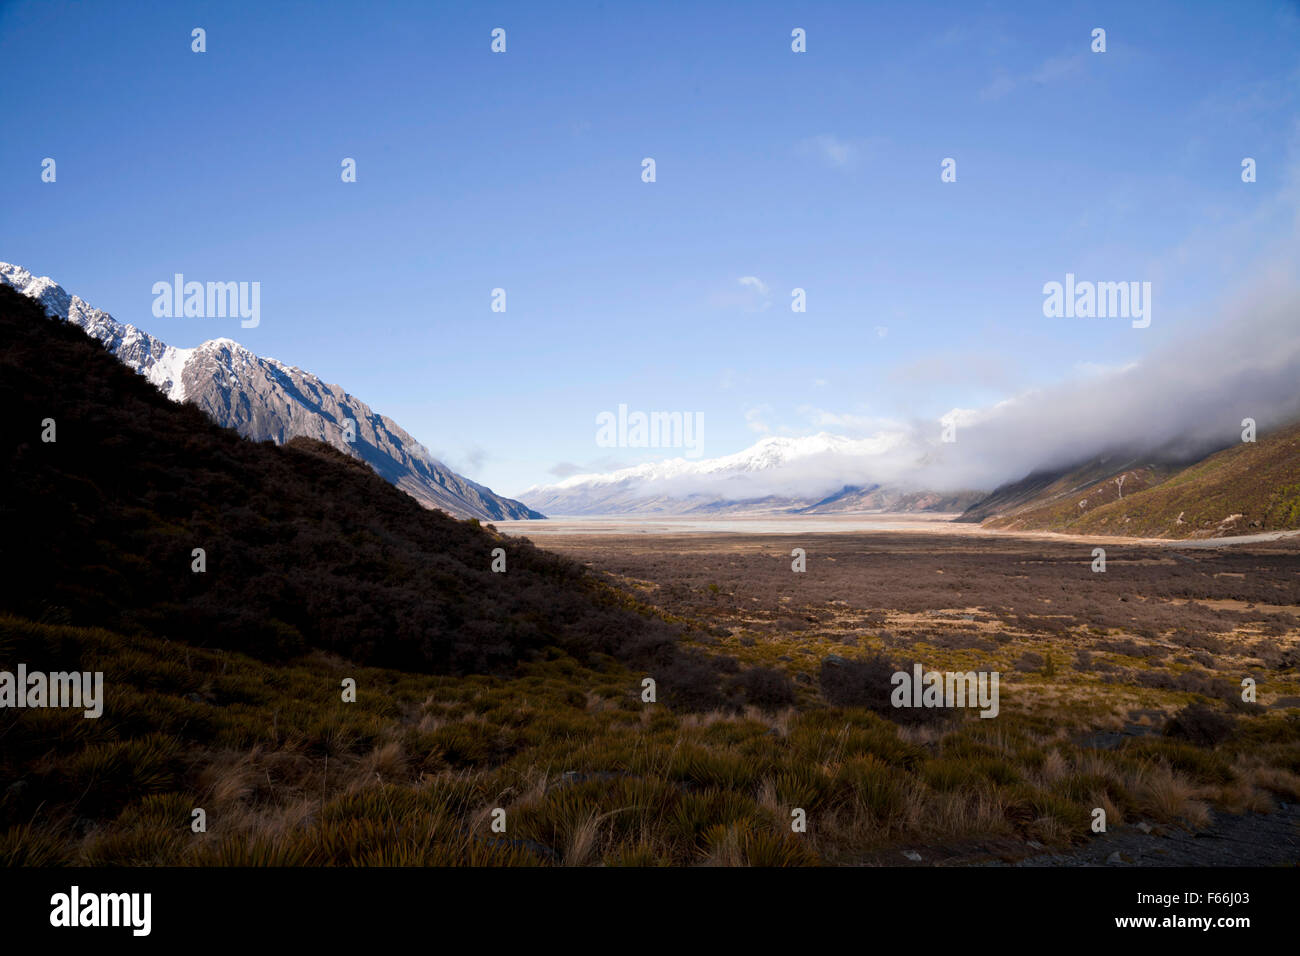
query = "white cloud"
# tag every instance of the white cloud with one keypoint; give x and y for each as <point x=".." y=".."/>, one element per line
<point x="831" y="149"/>
<point x="850" y="423"/>
<point x="1101" y="368"/>
<point x="1184" y="401"/>
<point x="750" y="294"/>
<point x="1049" y="71"/>
<point x="754" y="419"/>
<point x="1058" y="67"/>
<point x="998" y="87"/>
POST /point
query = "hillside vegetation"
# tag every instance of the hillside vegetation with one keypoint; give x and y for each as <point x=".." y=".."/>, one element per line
<point x="304" y="547"/>
<point x="522" y="691"/>
<point x="1248" y="488"/>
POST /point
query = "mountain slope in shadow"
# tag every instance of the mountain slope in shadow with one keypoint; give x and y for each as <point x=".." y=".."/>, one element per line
<point x="303" y="546"/>
<point x="264" y="399"/>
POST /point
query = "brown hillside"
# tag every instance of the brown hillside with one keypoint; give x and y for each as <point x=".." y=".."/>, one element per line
<point x="1245" y="489"/>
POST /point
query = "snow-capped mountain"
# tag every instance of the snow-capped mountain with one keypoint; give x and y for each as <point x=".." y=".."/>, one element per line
<point x="816" y="474"/>
<point x="264" y="399"/>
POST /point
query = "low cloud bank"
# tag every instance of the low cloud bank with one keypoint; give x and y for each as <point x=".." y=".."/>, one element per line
<point x="1178" y="403"/>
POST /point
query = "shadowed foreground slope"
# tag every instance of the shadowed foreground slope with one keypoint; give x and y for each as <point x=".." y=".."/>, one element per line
<point x="308" y="549"/>
<point x="267" y="400"/>
<point x="304" y="546"/>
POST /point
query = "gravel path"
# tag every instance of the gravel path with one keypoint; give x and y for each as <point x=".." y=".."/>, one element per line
<point x="1252" y="839"/>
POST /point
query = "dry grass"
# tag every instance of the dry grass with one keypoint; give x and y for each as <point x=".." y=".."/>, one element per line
<point x="588" y="774"/>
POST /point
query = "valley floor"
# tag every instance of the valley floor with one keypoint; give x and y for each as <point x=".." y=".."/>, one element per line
<point x="1120" y="691"/>
<point x="916" y="523"/>
<point x="1112" y="655"/>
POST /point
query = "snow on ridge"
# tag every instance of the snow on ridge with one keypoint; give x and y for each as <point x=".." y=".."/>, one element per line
<point x="43" y="289"/>
<point x="161" y="364"/>
<point x="167" y="372"/>
<point x="768" y="453"/>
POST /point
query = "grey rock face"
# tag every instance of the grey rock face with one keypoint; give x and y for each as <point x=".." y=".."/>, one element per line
<point x="266" y="400"/>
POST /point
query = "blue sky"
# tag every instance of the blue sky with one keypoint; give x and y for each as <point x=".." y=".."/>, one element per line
<point x="523" y="171"/>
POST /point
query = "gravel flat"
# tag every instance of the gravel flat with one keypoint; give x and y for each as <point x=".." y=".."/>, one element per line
<point x="1251" y="839"/>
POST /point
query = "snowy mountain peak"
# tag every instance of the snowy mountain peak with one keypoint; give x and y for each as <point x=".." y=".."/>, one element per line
<point x="778" y="473"/>
<point x="41" y="288"/>
<point x="264" y="399"/>
<point x="769" y="454"/>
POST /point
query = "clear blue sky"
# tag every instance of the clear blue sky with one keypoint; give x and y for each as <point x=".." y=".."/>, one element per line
<point x="523" y="171"/>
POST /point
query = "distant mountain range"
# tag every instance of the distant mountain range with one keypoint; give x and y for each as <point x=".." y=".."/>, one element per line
<point x="1170" y="491"/>
<point x="1181" y="485"/>
<point x="1247" y="488"/>
<point x="773" y="476"/>
<point x="266" y="400"/>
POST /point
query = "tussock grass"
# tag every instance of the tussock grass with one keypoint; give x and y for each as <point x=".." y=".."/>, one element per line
<point x="411" y="773"/>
